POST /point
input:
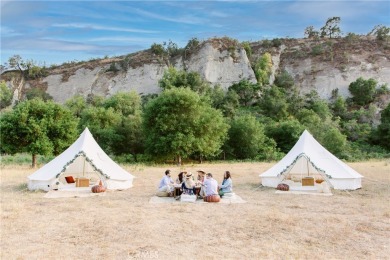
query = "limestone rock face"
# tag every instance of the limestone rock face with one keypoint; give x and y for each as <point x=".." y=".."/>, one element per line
<point x="321" y="65"/>
<point x="221" y="67"/>
<point x="213" y="64"/>
<point x="143" y="80"/>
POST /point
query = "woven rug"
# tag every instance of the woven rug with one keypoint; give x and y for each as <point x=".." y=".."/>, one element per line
<point x="73" y="193"/>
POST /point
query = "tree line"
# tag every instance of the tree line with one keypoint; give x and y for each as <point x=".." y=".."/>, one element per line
<point x="190" y="119"/>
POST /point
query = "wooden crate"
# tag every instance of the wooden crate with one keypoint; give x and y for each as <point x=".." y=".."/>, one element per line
<point x="82" y="182"/>
<point x="308" y="181"/>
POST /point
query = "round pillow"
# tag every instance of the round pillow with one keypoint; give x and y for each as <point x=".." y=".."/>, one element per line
<point x="283" y="187"/>
<point x="212" y="198"/>
<point x="98" y="189"/>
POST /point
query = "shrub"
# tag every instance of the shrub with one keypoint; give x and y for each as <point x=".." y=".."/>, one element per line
<point x="157" y="49"/>
<point x="247" y="47"/>
<point x="276" y="42"/>
<point x="5" y="95"/>
<point x="363" y="91"/>
<point x="317" y="50"/>
<point x="113" y="67"/>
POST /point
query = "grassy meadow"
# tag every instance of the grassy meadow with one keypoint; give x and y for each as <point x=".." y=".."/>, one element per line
<point x="124" y="225"/>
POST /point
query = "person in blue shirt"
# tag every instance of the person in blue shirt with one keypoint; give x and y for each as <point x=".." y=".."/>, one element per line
<point x="166" y="183"/>
<point x="227" y="184"/>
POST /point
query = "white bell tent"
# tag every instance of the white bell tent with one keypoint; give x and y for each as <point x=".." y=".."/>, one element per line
<point x="83" y="159"/>
<point x="308" y="158"/>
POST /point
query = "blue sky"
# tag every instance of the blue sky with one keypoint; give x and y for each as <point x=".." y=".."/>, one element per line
<point x="53" y="32"/>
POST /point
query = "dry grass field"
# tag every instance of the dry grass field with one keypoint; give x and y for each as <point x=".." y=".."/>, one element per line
<point x="124" y="225"/>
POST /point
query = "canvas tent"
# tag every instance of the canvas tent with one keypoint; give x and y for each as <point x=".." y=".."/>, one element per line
<point x="309" y="158"/>
<point x="84" y="158"/>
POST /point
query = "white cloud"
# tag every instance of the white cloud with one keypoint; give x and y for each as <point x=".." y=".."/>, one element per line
<point x="125" y="39"/>
<point x="99" y="27"/>
<point x="8" y="32"/>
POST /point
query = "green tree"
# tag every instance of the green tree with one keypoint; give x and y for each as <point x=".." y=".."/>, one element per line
<point x="363" y="91"/>
<point x="157" y="49"/>
<point x="102" y="122"/>
<point x="125" y="103"/>
<point x="339" y="107"/>
<point x="248" y="92"/>
<point x="226" y="101"/>
<point x="247" y="139"/>
<point x="95" y="100"/>
<point x="192" y="44"/>
<point x="273" y="103"/>
<point x="171" y="48"/>
<point x="383" y="131"/>
<point x="76" y="105"/>
<point x="5" y="95"/>
<point x="285" y="133"/>
<point x="263" y="69"/>
<point x="381" y="32"/>
<point x="247" y="47"/>
<point x="27" y="68"/>
<point x="295" y="101"/>
<point x="310" y="32"/>
<point x="38" y="93"/>
<point x="355" y="131"/>
<point x="325" y="131"/>
<point x="178" y="123"/>
<point x="331" y="28"/>
<point x="128" y="136"/>
<point x="284" y="80"/>
<point x="322" y="109"/>
<point x="37" y="127"/>
<point x="181" y="79"/>
<point x="334" y="141"/>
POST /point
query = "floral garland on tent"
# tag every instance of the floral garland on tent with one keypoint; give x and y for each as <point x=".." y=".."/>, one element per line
<point x="308" y="158"/>
<point x="87" y="159"/>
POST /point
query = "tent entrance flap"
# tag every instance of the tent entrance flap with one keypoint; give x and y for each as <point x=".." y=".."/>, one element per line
<point x="81" y="168"/>
<point x="302" y="167"/>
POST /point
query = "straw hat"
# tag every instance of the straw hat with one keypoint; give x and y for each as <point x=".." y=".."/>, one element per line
<point x="189" y="175"/>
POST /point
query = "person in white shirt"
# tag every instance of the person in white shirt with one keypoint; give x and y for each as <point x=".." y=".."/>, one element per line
<point x="210" y="185"/>
<point x="166" y="183"/>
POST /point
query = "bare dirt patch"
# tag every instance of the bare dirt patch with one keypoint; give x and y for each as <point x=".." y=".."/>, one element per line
<point x="124" y="225"/>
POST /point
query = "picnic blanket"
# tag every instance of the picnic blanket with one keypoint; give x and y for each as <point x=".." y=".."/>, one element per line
<point x="234" y="198"/>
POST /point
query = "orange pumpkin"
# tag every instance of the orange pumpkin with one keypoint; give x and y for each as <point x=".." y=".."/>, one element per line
<point x="283" y="187"/>
<point x="98" y="189"/>
<point x="212" y="198"/>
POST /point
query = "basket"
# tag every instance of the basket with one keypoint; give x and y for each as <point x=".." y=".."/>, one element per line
<point x="82" y="182"/>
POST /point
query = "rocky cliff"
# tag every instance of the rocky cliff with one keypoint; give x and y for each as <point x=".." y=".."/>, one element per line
<point x="323" y="65"/>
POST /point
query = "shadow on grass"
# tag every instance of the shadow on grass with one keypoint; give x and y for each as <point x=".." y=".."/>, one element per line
<point x="24" y="189"/>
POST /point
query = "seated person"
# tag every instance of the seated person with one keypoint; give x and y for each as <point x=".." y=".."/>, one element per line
<point x="166" y="184"/>
<point x="227" y="184"/>
<point x="211" y="187"/>
<point x="200" y="181"/>
<point x="180" y="177"/>
<point x="188" y="186"/>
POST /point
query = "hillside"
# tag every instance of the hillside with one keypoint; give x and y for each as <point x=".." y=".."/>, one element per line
<point x="322" y="65"/>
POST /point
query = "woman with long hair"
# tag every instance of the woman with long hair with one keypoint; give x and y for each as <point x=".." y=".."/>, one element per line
<point x="188" y="185"/>
<point x="227" y="184"/>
